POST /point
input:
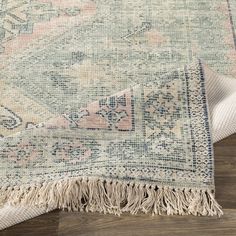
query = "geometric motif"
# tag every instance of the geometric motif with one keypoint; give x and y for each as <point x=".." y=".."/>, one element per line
<point x="19" y="17"/>
<point x="111" y="113"/>
<point x="148" y="124"/>
<point x="8" y="119"/>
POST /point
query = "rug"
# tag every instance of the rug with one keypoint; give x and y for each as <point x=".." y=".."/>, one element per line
<point x="92" y="101"/>
<point x="147" y="148"/>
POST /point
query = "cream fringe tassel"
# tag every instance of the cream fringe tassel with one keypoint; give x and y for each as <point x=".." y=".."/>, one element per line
<point x="113" y="196"/>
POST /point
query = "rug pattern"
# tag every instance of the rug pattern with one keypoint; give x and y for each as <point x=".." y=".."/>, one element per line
<point x="156" y="132"/>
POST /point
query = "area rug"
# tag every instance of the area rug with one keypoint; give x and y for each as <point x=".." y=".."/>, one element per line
<point x="147" y="148"/>
<point x="102" y="108"/>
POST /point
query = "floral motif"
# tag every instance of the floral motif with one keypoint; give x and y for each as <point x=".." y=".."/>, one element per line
<point x="73" y="150"/>
<point x="75" y="117"/>
<point x="24" y="153"/>
<point x="160" y="108"/>
<point x="166" y="146"/>
<point x="70" y="151"/>
<point x="111" y="110"/>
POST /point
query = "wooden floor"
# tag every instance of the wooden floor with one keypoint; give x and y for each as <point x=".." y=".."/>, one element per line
<point x="62" y="223"/>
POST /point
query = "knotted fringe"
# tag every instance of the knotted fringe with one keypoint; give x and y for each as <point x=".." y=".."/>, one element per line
<point x="113" y="196"/>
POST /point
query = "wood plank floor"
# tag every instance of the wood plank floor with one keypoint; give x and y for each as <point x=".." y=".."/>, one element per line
<point x="88" y="224"/>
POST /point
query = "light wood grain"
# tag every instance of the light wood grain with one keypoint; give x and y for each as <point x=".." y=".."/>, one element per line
<point x="88" y="224"/>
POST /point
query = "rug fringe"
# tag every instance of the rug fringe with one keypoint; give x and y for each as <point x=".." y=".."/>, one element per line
<point x="113" y="196"/>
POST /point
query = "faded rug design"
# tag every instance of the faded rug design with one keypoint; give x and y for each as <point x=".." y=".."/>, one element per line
<point x="147" y="148"/>
<point x="59" y="55"/>
<point x="103" y="104"/>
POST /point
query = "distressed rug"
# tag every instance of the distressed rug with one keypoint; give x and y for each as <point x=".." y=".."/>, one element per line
<point x="147" y="148"/>
<point x="103" y="105"/>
